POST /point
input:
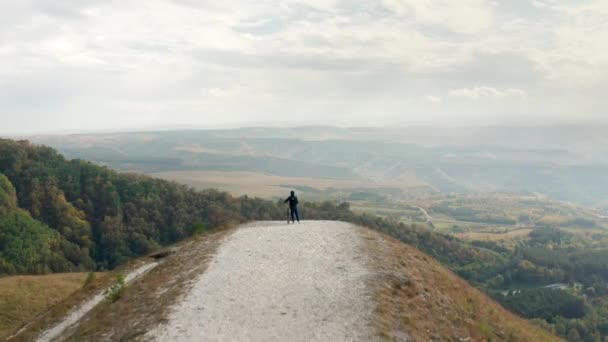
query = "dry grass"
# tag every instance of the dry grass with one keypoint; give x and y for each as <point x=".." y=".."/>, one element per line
<point x="481" y="236"/>
<point x="263" y="185"/>
<point x="23" y="298"/>
<point x="146" y="302"/>
<point x="420" y="300"/>
<point x="243" y="150"/>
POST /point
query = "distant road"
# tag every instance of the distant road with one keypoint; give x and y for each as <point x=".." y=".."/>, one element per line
<point x="428" y="217"/>
<point x="278" y="282"/>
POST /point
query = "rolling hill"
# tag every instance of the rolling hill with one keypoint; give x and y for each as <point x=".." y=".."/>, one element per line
<point x="316" y="281"/>
<point x="564" y="162"/>
<point x="83" y="216"/>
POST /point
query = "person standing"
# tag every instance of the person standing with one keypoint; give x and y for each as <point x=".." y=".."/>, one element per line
<point x="293" y="206"/>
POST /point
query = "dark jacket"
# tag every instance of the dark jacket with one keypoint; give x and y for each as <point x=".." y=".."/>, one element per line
<point x="293" y="201"/>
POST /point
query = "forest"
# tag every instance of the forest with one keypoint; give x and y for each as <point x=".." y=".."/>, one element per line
<point x="59" y="215"/>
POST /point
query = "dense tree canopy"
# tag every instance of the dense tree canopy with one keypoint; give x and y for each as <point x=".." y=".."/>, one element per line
<point x="101" y="218"/>
<point x="29" y="246"/>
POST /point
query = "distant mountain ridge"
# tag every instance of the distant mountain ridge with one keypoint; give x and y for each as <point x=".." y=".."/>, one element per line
<point x="565" y="162"/>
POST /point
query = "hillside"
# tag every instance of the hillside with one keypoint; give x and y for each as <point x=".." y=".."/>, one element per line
<point x="22" y="298"/>
<point x="319" y="280"/>
<point x="427" y="301"/>
<point x="61" y="215"/>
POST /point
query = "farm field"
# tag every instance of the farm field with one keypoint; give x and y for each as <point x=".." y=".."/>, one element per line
<point x="271" y="186"/>
<point x="508" y="235"/>
<point x="470" y="216"/>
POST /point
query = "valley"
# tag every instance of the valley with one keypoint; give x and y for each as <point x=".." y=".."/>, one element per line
<point x="403" y="163"/>
<point x="446" y="164"/>
<point x="505" y="219"/>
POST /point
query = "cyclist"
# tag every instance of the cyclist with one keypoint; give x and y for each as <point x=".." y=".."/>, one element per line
<point x="293" y="206"/>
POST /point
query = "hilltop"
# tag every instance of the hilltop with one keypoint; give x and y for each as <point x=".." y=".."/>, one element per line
<point x="59" y="215"/>
<point x="315" y="281"/>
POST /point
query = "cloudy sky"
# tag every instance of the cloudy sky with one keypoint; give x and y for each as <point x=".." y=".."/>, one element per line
<point x="96" y="65"/>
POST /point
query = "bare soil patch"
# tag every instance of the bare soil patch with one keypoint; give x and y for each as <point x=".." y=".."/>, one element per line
<point x="483" y="236"/>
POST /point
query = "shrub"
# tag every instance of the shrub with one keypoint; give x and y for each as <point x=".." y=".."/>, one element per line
<point x="116" y="291"/>
<point x="91" y="277"/>
<point x="198" y="229"/>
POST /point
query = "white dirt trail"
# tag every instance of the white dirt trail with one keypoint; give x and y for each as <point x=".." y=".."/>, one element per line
<point x="74" y="317"/>
<point x="276" y="282"/>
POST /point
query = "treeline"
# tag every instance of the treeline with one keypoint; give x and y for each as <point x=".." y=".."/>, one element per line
<point x="85" y="216"/>
<point x="467" y="214"/>
<point x="443" y="247"/>
<point x="546" y="303"/>
<point x="69" y="215"/>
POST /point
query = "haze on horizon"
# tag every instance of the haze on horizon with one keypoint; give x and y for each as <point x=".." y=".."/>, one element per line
<point x="110" y="65"/>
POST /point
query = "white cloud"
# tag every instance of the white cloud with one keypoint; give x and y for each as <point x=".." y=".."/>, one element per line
<point x="463" y="16"/>
<point x="477" y="93"/>
<point x="433" y="99"/>
<point x="92" y="63"/>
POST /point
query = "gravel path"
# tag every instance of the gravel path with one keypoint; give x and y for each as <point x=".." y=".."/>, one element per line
<point x="274" y="282"/>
